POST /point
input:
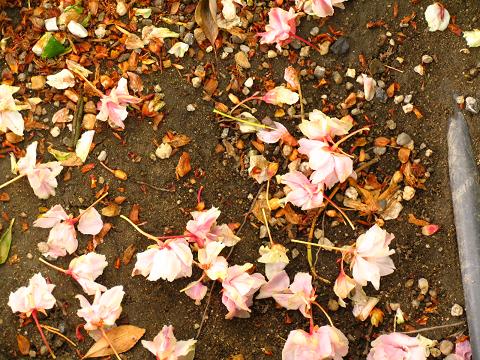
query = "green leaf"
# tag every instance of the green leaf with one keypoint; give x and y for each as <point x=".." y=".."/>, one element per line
<point x="5" y="242"/>
<point x="53" y="48"/>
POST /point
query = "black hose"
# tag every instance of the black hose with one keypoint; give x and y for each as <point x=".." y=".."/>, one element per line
<point x="465" y="187"/>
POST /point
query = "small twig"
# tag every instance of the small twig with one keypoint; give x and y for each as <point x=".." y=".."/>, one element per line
<point x="152" y="186"/>
<point x="204" y="315"/>
<point x="459" y="323"/>
<point x="77" y="120"/>
<point x="392" y="68"/>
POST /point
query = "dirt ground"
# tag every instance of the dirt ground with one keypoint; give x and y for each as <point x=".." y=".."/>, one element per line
<point x="152" y="304"/>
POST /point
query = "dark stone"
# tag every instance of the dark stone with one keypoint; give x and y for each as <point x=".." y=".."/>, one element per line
<point x="376" y="67"/>
<point x="340" y="47"/>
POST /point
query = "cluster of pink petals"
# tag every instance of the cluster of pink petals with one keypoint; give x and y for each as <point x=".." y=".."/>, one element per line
<point x="330" y="166"/>
<point x="280" y="95"/>
<point x="166" y="347"/>
<point x="463" y="350"/>
<point x="105" y="309"/>
<point x="85" y="269"/>
<point x="113" y="107"/>
<point x="62" y="238"/>
<point x="323" y="343"/>
<point x="238" y="290"/>
<point x="372" y="257"/>
<point x="320" y="8"/>
<point x="42" y="177"/>
<point x="37" y="296"/>
<point x="214" y="266"/>
<point x="396" y="346"/>
<point x="169" y="261"/>
<point x="322" y="127"/>
<point x="196" y="291"/>
<point x="10" y="118"/>
<point x="303" y="192"/>
<point x="204" y="228"/>
<point x="281" y="25"/>
<point x="344" y="284"/>
<point x="295" y="296"/>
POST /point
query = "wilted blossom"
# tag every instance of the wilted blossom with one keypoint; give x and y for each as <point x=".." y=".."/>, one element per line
<point x="320" y="8"/>
<point x="204" y="228"/>
<point x="85" y="269"/>
<point x="10" y="118"/>
<point x="344" y="284"/>
<point x="42" y="177"/>
<point x="214" y="266"/>
<point x="371" y="258"/>
<point x="168" y="261"/>
<point x="323" y="343"/>
<point x="62" y="238"/>
<point x="61" y="80"/>
<point x="277" y="283"/>
<point x="303" y="192"/>
<point x="299" y="294"/>
<point x="330" y="166"/>
<point x="37" y="296"/>
<point x="105" y="309"/>
<point x="322" y="127"/>
<point x="472" y="38"/>
<point x="280" y="132"/>
<point x="113" y="107"/>
<point x="437" y="17"/>
<point x="281" y="25"/>
<point x="238" y="290"/>
<point x="369" y="86"/>
<point x="179" y="49"/>
<point x="362" y="304"/>
<point x="463" y="350"/>
<point x="291" y="77"/>
<point x="166" y="347"/>
<point x="396" y="346"/>
<point x="275" y="259"/>
<point x="280" y="95"/>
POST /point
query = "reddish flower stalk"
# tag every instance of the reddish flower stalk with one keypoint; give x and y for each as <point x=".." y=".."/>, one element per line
<point x="42" y="335"/>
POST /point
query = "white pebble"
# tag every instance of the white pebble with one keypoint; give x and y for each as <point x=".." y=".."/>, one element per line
<point x="419" y="69"/>
<point x="351" y="193"/>
<point x="407" y="108"/>
<point x="408" y="193"/>
<point x="190" y="107"/>
<point x="427" y="59"/>
<point x="249" y="82"/>
<point x="102" y="156"/>
<point x="423" y="285"/>
<point x="55" y="131"/>
<point x="351" y="73"/>
<point x="164" y="151"/>
<point x="456" y="310"/>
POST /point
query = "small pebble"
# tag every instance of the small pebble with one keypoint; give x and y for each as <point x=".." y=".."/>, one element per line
<point x="456" y="310"/>
<point x="446" y="347"/>
<point x="102" y="156"/>
<point x="419" y="69"/>
<point x="164" y="151"/>
<point x="190" y="108"/>
<point x="55" y="131"/>
<point x="305" y="51"/>
<point x="392" y="125"/>
<point x="196" y="82"/>
<point x="460" y="100"/>
<point x="428" y="152"/>
<point x="315" y="31"/>
<point x="427" y="59"/>
<point x="423" y="285"/>
<point x="435" y="352"/>
<point x="249" y="82"/>
<point x="351" y="193"/>
<point x="403" y="139"/>
<point x="341" y="46"/>
<point x="337" y="78"/>
<point x="407" y="108"/>
<point x="271" y="54"/>
<point x="379" y="150"/>
<point x="471" y="104"/>
<point x="332" y="305"/>
<point x="408" y="193"/>
<point x="398" y="99"/>
<point x="319" y="72"/>
<point x="351" y="73"/>
<point x="408" y="99"/>
<point x="295" y="253"/>
<point x="324" y="47"/>
<point x="409" y="283"/>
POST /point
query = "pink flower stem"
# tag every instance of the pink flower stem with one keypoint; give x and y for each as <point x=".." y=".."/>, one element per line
<point x="91" y="206"/>
<point x="53" y="266"/>
<point x="199" y="195"/>
<point x="253" y="97"/>
<point x="326" y="247"/>
<point x="11" y="181"/>
<point x="174" y="236"/>
<point x="109" y="343"/>
<point x="340" y="210"/>
<point x="42" y="335"/>
<point x="305" y="41"/>
<point x="312" y="325"/>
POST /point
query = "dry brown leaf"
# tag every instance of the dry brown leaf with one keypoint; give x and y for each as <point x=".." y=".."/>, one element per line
<point x="23" y="344"/>
<point x="176" y="140"/>
<point x="183" y="166"/>
<point x="133" y="216"/>
<point x="404" y="155"/>
<point x="4" y="197"/>
<point x="128" y="254"/>
<point x="206" y="18"/>
<point x="419" y="222"/>
<point x="111" y="210"/>
<point x="136" y="83"/>
<point x="123" y="338"/>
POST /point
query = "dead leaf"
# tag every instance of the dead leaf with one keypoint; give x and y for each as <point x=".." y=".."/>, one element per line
<point x="122" y="338"/>
<point x="133" y="216"/>
<point x="128" y="254"/>
<point x="404" y="155"/>
<point x="419" y="222"/>
<point x="135" y="83"/>
<point x="206" y="18"/>
<point x="183" y="166"/>
<point x="4" y="197"/>
<point x="111" y="210"/>
<point x="23" y="344"/>
<point x="176" y="140"/>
